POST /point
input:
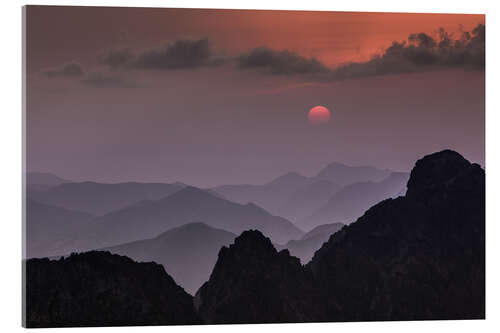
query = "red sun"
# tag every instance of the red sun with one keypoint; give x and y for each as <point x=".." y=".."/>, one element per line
<point x="318" y="115"/>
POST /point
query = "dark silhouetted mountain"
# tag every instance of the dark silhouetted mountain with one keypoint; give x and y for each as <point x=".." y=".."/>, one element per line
<point x="188" y="253"/>
<point x="307" y="199"/>
<point x="49" y="227"/>
<point x="101" y="289"/>
<point x="271" y="196"/>
<point x="99" y="198"/>
<point x="353" y="200"/>
<point x="415" y="257"/>
<point x="253" y="283"/>
<point x="147" y="219"/>
<point x="40" y="181"/>
<point x="343" y="175"/>
<point x="305" y="247"/>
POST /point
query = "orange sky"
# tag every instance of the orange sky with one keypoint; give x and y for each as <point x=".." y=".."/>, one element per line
<point x="59" y="34"/>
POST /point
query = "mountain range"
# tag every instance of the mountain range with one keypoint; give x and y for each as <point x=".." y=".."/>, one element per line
<point x="149" y="218"/>
<point x="417" y="256"/>
<point x="101" y="198"/>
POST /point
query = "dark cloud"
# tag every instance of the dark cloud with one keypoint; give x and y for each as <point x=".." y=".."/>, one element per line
<point x="280" y="62"/>
<point x="103" y="80"/>
<point x="422" y="52"/>
<point x="116" y="59"/>
<point x="181" y="54"/>
<point x="69" y="70"/>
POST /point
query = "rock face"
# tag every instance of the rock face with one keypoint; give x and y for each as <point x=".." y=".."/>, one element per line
<point x="415" y="257"/>
<point x="253" y="283"/>
<point x="101" y="289"/>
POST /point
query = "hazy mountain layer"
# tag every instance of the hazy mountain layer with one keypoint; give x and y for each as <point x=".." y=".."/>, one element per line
<point x="147" y="219"/>
<point x="188" y="253"/>
<point x="295" y="196"/>
<point x="99" y="198"/>
<point x="49" y="228"/>
<point x="305" y="247"/>
<point x="352" y="201"/>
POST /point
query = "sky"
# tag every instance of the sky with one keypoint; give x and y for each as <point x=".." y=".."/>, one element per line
<point x="211" y="97"/>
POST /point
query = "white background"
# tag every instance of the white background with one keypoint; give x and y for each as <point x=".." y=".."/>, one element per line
<point x="11" y="158"/>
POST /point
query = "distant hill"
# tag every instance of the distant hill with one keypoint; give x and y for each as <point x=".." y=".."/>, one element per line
<point x="295" y="196"/>
<point x="40" y="181"/>
<point x="149" y="218"/>
<point x="99" y="198"/>
<point x="307" y="199"/>
<point x="305" y="247"/>
<point x="49" y="227"/>
<point x="343" y="175"/>
<point x="101" y="289"/>
<point x="270" y="196"/>
<point x="352" y="201"/>
<point x="188" y="253"/>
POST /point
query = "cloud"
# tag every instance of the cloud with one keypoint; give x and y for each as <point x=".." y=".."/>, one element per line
<point x="181" y="54"/>
<point x="421" y="52"/>
<point x="116" y="59"/>
<point x="280" y="62"/>
<point x="103" y="80"/>
<point x="69" y="70"/>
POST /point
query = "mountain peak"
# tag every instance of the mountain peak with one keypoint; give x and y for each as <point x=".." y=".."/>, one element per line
<point x="289" y="177"/>
<point x="435" y="170"/>
<point x="190" y="192"/>
<point x="251" y="241"/>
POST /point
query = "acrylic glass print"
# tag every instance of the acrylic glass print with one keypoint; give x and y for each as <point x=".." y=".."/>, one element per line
<point x="197" y="166"/>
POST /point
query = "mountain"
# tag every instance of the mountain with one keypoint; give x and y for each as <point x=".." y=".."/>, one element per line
<point x="295" y="196"/>
<point x="40" y="181"/>
<point x="415" y="257"/>
<point x="49" y="227"/>
<point x="98" y="198"/>
<point x="253" y="283"/>
<point x="353" y="200"/>
<point x="101" y="289"/>
<point x="188" y="252"/>
<point x="271" y="196"/>
<point x="305" y="247"/>
<point x="420" y="256"/>
<point x="149" y="218"/>
<point x="343" y="175"/>
<point x="307" y="199"/>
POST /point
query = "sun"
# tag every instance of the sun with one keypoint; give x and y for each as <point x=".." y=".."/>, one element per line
<point x="319" y="115"/>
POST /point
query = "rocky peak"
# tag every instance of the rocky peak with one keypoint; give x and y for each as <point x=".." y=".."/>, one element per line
<point x="435" y="171"/>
